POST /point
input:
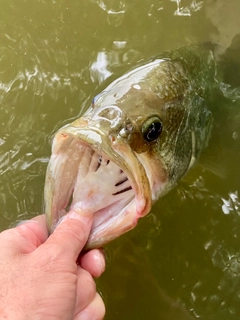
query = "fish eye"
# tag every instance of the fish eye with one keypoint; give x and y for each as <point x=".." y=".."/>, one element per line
<point x="152" y="129"/>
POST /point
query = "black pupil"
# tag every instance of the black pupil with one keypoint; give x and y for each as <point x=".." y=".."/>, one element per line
<point x="153" y="131"/>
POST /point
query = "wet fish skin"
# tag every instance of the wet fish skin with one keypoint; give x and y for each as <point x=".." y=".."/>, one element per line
<point x="150" y="125"/>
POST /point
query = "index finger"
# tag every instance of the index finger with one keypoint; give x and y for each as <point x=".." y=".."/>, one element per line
<point x="25" y="237"/>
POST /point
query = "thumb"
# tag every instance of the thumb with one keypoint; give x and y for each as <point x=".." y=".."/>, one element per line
<point x="71" y="234"/>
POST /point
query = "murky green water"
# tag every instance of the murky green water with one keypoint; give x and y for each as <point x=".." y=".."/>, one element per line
<point x="183" y="260"/>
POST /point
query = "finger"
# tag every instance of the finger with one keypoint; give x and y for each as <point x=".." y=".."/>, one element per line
<point x="94" y="262"/>
<point x="24" y="238"/>
<point x="95" y="310"/>
<point x="71" y="235"/>
<point x="86" y="289"/>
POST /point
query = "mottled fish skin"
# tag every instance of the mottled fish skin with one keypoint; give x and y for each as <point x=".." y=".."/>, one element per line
<point x="151" y="124"/>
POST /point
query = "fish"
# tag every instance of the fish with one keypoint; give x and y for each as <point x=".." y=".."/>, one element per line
<point x="137" y="139"/>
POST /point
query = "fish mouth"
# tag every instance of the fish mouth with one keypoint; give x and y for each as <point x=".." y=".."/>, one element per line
<point x="93" y="173"/>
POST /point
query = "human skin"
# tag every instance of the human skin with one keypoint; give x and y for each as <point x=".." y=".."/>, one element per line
<point x="39" y="276"/>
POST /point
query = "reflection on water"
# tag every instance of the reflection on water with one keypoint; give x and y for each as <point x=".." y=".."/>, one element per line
<point x="98" y="69"/>
<point x="107" y="61"/>
<point x="41" y="82"/>
<point x="193" y="6"/>
<point x="232" y="204"/>
<point x="115" y="11"/>
<point x="182" y="261"/>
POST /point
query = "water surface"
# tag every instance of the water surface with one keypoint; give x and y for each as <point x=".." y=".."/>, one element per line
<point x="182" y="261"/>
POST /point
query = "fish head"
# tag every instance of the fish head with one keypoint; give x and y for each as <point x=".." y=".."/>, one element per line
<point x="131" y="147"/>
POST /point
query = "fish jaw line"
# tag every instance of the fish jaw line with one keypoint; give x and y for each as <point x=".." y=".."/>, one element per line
<point x="158" y="176"/>
<point x="116" y="192"/>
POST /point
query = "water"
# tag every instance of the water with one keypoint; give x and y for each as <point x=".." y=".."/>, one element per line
<point x="182" y="261"/>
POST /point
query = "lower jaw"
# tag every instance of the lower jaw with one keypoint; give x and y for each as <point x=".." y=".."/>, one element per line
<point x="115" y="227"/>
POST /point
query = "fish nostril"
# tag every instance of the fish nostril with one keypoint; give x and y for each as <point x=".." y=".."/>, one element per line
<point x="126" y="130"/>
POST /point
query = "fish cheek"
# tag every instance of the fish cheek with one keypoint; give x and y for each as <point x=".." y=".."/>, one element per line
<point x="156" y="169"/>
<point x="137" y="143"/>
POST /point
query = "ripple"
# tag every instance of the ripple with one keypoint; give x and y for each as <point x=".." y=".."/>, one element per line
<point x="231" y="204"/>
<point x="2" y="141"/>
<point x="113" y="7"/>
<point x="115" y="10"/>
<point x="99" y="68"/>
<point x="42" y="82"/>
<point x="187" y="10"/>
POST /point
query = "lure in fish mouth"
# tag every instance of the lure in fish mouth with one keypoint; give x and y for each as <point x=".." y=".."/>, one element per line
<point x="139" y="137"/>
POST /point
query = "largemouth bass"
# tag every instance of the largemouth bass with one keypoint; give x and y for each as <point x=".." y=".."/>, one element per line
<point x="137" y="139"/>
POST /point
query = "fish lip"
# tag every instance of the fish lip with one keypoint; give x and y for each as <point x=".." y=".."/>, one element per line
<point x="117" y="151"/>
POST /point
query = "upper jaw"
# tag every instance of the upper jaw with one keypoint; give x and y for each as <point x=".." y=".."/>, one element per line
<point x="63" y="175"/>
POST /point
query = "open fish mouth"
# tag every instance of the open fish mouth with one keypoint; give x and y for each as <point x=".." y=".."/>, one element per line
<point x="82" y="177"/>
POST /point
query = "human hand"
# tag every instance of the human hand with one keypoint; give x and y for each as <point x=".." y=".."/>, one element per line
<point x="39" y="276"/>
